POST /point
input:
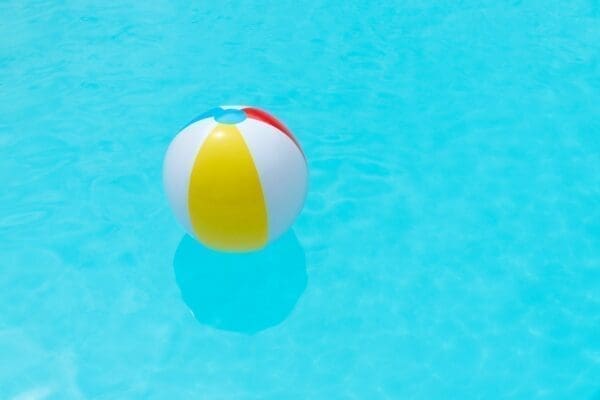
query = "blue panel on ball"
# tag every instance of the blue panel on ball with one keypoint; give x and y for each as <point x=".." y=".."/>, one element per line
<point x="210" y="113"/>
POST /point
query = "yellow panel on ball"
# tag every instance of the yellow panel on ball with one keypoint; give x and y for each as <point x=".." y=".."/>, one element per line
<point x="225" y="198"/>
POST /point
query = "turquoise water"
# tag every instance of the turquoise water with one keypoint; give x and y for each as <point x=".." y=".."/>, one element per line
<point x="450" y="243"/>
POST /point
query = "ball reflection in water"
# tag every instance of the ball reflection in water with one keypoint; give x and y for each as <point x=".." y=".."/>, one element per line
<point x="241" y="292"/>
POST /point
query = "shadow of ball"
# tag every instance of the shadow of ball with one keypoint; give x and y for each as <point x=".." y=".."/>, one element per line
<point x="244" y="292"/>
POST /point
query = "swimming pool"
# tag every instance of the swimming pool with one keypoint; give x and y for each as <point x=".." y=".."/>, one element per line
<point x="450" y="242"/>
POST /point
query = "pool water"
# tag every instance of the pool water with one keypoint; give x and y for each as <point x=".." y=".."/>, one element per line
<point x="449" y="247"/>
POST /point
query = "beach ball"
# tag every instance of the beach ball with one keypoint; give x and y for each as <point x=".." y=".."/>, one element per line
<point x="236" y="178"/>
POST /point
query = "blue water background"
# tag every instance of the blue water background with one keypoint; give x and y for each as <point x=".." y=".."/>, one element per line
<point x="450" y="243"/>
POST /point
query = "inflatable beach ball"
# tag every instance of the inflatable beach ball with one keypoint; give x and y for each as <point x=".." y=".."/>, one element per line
<point x="236" y="178"/>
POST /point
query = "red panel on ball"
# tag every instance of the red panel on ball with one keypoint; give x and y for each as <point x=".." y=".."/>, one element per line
<point x="257" y="113"/>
